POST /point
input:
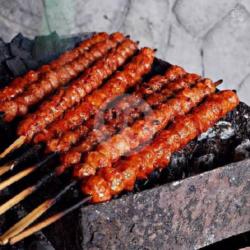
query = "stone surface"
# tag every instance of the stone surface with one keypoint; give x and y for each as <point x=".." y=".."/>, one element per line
<point x="206" y="208"/>
<point x="214" y="206"/>
<point x="208" y="37"/>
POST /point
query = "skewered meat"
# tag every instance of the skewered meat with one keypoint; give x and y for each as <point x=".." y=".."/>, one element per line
<point x="69" y="138"/>
<point x="20" y="105"/>
<point x="113" y="125"/>
<point x="113" y="180"/>
<point x="18" y="85"/>
<point x="149" y="88"/>
<point x="143" y="130"/>
<point x="66" y="98"/>
<point x="118" y="84"/>
<point x="152" y="86"/>
<point x="187" y="80"/>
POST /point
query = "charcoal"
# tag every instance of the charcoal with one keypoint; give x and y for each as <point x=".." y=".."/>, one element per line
<point x="152" y="181"/>
<point x="67" y="44"/>
<point x="2" y="43"/>
<point x="242" y="151"/>
<point x="176" y="168"/>
<point x="204" y="162"/>
<point x="4" y="80"/>
<point x="31" y="64"/>
<point x="46" y="48"/>
<point x="4" y="52"/>
<point x="17" y="40"/>
<point x="26" y="44"/>
<point x="71" y="42"/>
<point x="19" y="52"/>
<point x="56" y="42"/>
<point x="3" y="71"/>
<point x="241" y="122"/>
<point x="5" y="75"/>
<point x="223" y="130"/>
<point x="77" y="39"/>
<point x="40" y="245"/>
<point x="85" y="35"/>
<point x="16" y="66"/>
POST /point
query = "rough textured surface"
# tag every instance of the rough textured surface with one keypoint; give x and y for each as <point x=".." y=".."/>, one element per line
<point x="206" y="208"/>
<point x="208" y="37"/>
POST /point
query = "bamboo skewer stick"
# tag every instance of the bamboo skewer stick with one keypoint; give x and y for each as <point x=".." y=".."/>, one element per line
<point x="17" y="177"/>
<point x="34" y="215"/>
<point x="47" y="222"/>
<point x="15" y="145"/>
<point x="24" y="193"/>
<point x="13" y="179"/>
<point x="24" y="156"/>
<point x="6" y="168"/>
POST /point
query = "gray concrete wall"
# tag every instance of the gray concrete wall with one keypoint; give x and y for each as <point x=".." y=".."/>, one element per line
<point x="211" y="37"/>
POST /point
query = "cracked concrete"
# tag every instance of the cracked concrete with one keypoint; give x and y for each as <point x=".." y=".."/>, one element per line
<point x="208" y="37"/>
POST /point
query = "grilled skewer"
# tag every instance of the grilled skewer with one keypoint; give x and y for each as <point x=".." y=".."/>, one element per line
<point x="131" y="74"/>
<point x="143" y="130"/>
<point x="116" y="86"/>
<point x="18" y="85"/>
<point x="155" y="84"/>
<point x="20" y="105"/>
<point x="122" y="176"/>
<point x="116" y="146"/>
<point x="59" y="127"/>
<point x="113" y="180"/>
<point x="173" y="78"/>
<point x="65" y="98"/>
<point x="74" y="156"/>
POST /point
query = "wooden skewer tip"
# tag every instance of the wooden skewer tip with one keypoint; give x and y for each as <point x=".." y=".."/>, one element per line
<point x="25" y="222"/>
<point x="33" y="215"/>
<point x="5" y="168"/>
<point x="25" y="193"/>
<point x="16" y="199"/>
<point x="15" y="145"/>
<point x="46" y="222"/>
<point x="16" y="177"/>
<point x="218" y="82"/>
